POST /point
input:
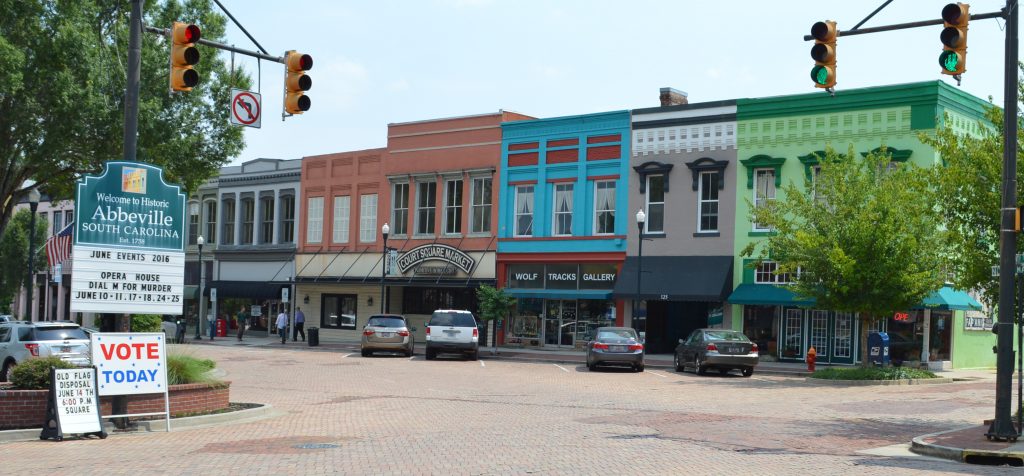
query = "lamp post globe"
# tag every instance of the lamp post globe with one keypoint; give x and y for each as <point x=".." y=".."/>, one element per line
<point x="201" y="319"/>
<point x="33" y="204"/>
<point x="641" y="218"/>
<point x="384" y="231"/>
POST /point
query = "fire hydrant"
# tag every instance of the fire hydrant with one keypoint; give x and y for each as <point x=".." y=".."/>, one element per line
<point x="812" y="357"/>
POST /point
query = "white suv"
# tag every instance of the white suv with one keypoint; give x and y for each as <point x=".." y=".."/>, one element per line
<point x="453" y="332"/>
<point x="23" y="340"/>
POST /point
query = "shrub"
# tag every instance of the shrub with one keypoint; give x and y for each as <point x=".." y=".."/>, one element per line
<point x="183" y="368"/>
<point x="146" y="323"/>
<point x="872" y="373"/>
<point x="34" y="374"/>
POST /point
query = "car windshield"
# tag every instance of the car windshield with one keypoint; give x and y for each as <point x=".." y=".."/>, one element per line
<point x="57" y="333"/>
<point x="386" y="322"/>
<point x="454" y="319"/>
<point x="725" y="335"/>
<point x="616" y="335"/>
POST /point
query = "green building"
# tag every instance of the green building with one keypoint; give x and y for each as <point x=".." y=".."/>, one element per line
<point x="777" y="141"/>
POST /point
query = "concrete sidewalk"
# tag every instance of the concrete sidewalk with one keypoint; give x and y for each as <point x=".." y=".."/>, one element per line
<point x="969" y="445"/>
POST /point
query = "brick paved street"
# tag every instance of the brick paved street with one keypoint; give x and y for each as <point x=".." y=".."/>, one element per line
<point x="390" y="415"/>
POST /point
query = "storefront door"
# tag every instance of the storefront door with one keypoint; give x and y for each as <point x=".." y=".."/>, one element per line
<point x="559" y="323"/>
<point x="842" y="338"/>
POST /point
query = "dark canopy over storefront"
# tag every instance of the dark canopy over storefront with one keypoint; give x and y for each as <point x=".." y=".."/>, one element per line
<point x="677" y="278"/>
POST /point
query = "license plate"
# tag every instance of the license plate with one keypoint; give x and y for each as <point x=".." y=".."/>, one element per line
<point x="736" y="350"/>
<point x="618" y="348"/>
<point x="65" y="349"/>
<point x="451" y="332"/>
<point x="387" y="334"/>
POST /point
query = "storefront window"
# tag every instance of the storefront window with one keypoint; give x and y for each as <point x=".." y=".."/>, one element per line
<point x="417" y="300"/>
<point x="524" y="327"/>
<point x="338" y="311"/>
<point x="939" y="336"/>
<point x="760" y="324"/>
<point x="905" y="331"/>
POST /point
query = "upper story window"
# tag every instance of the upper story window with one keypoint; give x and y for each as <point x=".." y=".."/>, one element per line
<point x="764" y="192"/>
<point x="562" y="221"/>
<point x="211" y="221"/>
<point x="707" y="202"/>
<point x="767" y="273"/>
<point x="342" y="213"/>
<point x="524" y="210"/>
<point x="368" y="218"/>
<point x="248" y="213"/>
<point x="287" y="219"/>
<point x="480" y="216"/>
<point x="426" y="207"/>
<point x="227" y="210"/>
<point x="314" y="219"/>
<point x="815" y="173"/>
<point x="453" y="207"/>
<point x="193" y="223"/>
<point x="655" y="204"/>
<point x="400" y="208"/>
<point x="267" y="220"/>
<point x="604" y="207"/>
<point x="58" y="222"/>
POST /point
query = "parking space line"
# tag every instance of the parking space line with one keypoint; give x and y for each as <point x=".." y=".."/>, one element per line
<point x="656" y="374"/>
<point x="348" y="355"/>
<point x="563" y="368"/>
<point x="764" y="380"/>
<point x="482" y="364"/>
<point x="412" y="357"/>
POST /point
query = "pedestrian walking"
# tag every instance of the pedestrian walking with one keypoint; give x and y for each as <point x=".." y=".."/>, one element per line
<point x="240" y="320"/>
<point x="282" y="325"/>
<point x="300" y="324"/>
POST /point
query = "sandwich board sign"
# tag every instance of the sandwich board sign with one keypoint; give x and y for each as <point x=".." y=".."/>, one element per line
<point x="73" y="405"/>
<point x="129" y="252"/>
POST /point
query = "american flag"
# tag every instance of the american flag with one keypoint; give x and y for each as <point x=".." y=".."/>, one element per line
<point x="58" y="247"/>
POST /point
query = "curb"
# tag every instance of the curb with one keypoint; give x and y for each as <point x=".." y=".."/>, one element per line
<point x="649" y="364"/>
<point x="147" y="426"/>
<point x="864" y="383"/>
<point x="961" y="455"/>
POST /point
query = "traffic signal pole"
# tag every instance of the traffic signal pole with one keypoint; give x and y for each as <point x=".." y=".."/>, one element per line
<point x="1002" y="427"/>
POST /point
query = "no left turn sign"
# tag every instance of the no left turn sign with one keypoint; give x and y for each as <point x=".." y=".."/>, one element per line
<point x="245" y="108"/>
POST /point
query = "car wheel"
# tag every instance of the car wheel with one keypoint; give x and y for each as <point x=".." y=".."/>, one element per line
<point x="592" y="366"/>
<point x="411" y="350"/>
<point x="678" y="365"/>
<point x="431" y="353"/>
<point x="748" y="371"/>
<point x="8" y="370"/>
<point x="473" y="355"/>
<point x="698" y="366"/>
<point x="366" y="353"/>
<point x="640" y="368"/>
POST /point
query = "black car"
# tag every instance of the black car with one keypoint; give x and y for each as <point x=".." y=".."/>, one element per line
<point x="615" y="346"/>
<point x="719" y="349"/>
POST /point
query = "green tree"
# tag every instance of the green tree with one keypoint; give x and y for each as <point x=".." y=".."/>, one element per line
<point x="14" y="255"/>
<point x="866" y="237"/>
<point x="495" y="305"/>
<point x="62" y="81"/>
<point x="970" y="196"/>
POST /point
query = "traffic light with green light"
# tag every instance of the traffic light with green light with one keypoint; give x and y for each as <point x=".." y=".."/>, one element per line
<point x="297" y="82"/>
<point x="953" y="58"/>
<point x="184" y="54"/>
<point x="824" y="54"/>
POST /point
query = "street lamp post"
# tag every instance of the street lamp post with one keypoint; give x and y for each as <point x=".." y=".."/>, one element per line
<point x="33" y="204"/>
<point x="641" y="217"/>
<point x="384" y="231"/>
<point x="201" y="319"/>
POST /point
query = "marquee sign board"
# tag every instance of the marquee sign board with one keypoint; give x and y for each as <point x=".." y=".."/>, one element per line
<point x="437" y="252"/>
<point x="129" y="253"/>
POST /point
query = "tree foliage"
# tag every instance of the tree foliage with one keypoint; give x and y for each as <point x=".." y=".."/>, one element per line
<point x="62" y="81"/>
<point x="970" y="196"/>
<point x="494" y="303"/>
<point x="865" y="238"/>
<point x="14" y="255"/>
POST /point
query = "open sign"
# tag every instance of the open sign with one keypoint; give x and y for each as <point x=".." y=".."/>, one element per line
<point x="901" y="316"/>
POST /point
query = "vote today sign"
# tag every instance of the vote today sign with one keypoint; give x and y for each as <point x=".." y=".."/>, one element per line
<point x="130" y="363"/>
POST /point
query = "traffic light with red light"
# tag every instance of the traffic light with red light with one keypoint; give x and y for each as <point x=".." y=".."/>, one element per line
<point x="184" y="54"/>
<point x="824" y="54"/>
<point x="297" y="82"/>
<point x="953" y="58"/>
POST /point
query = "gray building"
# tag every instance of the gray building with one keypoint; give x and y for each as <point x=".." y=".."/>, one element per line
<point x="682" y="160"/>
<point x="247" y="216"/>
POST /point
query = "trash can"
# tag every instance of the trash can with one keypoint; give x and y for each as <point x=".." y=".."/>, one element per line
<point x="878" y="348"/>
<point x="313" y="336"/>
<point x="222" y="328"/>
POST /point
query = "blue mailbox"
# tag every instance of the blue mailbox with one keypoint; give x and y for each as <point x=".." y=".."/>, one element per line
<point x="878" y="348"/>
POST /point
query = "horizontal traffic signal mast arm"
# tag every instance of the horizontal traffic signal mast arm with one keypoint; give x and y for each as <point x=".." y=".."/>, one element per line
<point x="904" y="26"/>
<point x="221" y="46"/>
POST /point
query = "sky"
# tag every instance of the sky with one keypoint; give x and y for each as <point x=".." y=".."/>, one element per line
<point x="390" y="61"/>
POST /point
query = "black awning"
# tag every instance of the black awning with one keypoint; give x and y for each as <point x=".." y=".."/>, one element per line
<point x="247" y="289"/>
<point x="677" y="278"/>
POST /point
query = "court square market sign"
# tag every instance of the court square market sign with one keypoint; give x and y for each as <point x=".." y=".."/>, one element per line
<point x="129" y="252"/>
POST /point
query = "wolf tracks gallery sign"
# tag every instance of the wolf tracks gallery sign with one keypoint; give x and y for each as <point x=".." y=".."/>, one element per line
<point x="129" y="252"/>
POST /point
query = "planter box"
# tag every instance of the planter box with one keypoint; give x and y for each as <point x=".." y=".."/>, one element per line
<point x="27" y="408"/>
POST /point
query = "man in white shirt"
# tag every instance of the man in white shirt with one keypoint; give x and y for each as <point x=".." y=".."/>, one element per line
<point x="282" y="325"/>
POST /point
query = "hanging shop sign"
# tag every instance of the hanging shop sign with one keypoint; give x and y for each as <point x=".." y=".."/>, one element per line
<point x="596" y="276"/>
<point x="435" y="252"/>
<point x="129" y="249"/>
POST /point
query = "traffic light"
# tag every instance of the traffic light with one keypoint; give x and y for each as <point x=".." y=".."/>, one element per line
<point x="184" y="54"/>
<point x="954" y="38"/>
<point x="297" y="82"/>
<point x="824" y="54"/>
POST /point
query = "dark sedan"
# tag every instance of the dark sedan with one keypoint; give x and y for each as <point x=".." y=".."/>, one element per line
<point x="719" y="349"/>
<point x="615" y="346"/>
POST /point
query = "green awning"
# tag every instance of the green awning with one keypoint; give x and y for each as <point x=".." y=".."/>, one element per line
<point x="951" y="299"/>
<point x="766" y="295"/>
